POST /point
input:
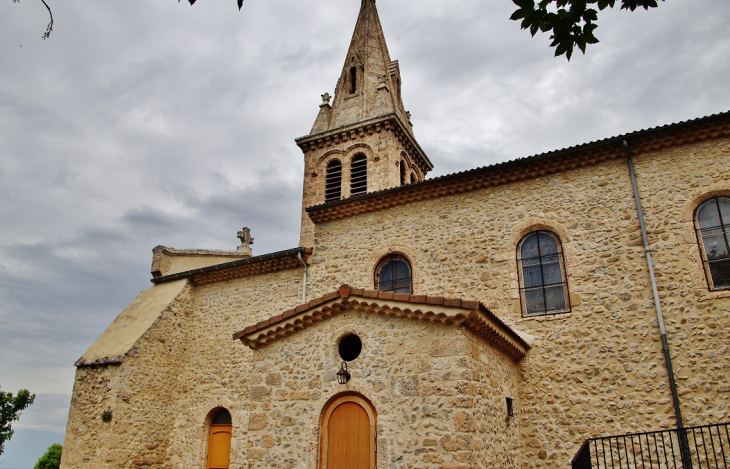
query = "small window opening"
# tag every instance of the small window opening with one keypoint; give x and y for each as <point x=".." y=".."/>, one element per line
<point x="359" y="175"/>
<point x="350" y="347"/>
<point x="333" y="184"/>
<point x="353" y="79"/>
<point x="413" y="178"/>
<point x="393" y="274"/>
<point x="510" y="407"/>
<point x="402" y="173"/>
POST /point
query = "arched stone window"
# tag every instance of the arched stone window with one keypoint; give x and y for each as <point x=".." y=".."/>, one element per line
<point x="543" y="285"/>
<point x="359" y="175"/>
<point x="402" y="173"/>
<point x="393" y="274"/>
<point x="413" y="178"/>
<point x="219" y="441"/>
<point x="333" y="183"/>
<point x="712" y="221"/>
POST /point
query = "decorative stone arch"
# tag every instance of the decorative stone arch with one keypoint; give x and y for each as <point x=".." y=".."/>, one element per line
<point x="324" y="160"/>
<point x="416" y="174"/>
<point x="412" y="255"/>
<point x="335" y="415"/>
<point x="531" y="224"/>
<point x="348" y="156"/>
<point x="405" y="166"/>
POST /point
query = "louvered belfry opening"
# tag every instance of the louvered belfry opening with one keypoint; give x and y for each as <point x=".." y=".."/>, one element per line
<point x="333" y="185"/>
<point x="402" y="173"/>
<point x="359" y="175"/>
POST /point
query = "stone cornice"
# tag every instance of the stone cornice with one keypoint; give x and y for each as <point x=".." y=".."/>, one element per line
<point x="642" y="141"/>
<point x="386" y="122"/>
<point x="472" y="315"/>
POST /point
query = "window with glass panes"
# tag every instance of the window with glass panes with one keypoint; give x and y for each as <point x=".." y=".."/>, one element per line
<point x="543" y="286"/>
<point x="713" y="233"/>
<point x="393" y="274"/>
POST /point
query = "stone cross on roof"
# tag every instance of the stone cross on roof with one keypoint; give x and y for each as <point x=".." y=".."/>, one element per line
<point x="246" y="241"/>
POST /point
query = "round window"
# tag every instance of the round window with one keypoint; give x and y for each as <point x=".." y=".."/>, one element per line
<point x="350" y="347"/>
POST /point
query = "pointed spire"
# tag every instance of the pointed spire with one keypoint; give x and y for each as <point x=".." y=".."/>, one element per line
<point x="369" y="84"/>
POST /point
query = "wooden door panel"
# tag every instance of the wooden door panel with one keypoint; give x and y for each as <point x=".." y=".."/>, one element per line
<point x="219" y="447"/>
<point x="349" y="438"/>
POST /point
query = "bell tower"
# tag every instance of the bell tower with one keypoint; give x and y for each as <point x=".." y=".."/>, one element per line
<point x="363" y="142"/>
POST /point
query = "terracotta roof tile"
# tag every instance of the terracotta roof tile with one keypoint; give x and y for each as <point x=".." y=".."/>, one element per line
<point x="452" y="302"/>
<point x="386" y="295"/>
<point x="470" y="304"/>
<point x="435" y="300"/>
<point x="504" y="337"/>
<point x="641" y="141"/>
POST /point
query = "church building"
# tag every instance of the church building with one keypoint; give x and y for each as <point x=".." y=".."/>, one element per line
<point x="502" y="317"/>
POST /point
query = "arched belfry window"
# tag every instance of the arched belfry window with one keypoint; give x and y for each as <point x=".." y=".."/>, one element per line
<point x="359" y="175"/>
<point x="393" y="274"/>
<point x="712" y="221"/>
<point x="333" y="183"/>
<point x="403" y="179"/>
<point x="219" y="441"/>
<point x="543" y="285"/>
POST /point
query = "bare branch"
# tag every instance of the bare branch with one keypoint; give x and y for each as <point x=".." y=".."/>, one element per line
<point x="47" y="34"/>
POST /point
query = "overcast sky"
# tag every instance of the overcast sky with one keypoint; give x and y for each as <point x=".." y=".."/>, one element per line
<point x="141" y="123"/>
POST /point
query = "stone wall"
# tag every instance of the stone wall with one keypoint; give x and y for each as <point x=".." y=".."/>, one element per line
<point x="140" y="394"/>
<point x="439" y="392"/>
<point x="598" y="370"/>
<point x="184" y="367"/>
<point x="420" y="377"/>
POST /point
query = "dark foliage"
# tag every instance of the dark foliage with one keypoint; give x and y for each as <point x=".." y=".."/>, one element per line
<point x="571" y="22"/>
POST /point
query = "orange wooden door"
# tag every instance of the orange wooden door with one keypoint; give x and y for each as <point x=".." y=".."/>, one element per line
<point x="348" y="433"/>
<point x="219" y="447"/>
<point x="348" y="438"/>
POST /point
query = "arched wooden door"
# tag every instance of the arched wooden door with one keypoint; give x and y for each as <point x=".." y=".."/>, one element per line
<point x="219" y="442"/>
<point x="348" y="434"/>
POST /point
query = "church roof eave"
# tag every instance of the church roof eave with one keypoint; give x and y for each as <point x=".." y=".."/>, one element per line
<point x="471" y="315"/>
<point x="265" y="263"/>
<point x="544" y="164"/>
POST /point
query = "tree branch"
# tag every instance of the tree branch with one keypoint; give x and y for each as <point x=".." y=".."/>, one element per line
<point x="47" y="34"/>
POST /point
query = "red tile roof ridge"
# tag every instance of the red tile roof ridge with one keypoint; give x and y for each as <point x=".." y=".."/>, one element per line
<point x="346" y="292"/>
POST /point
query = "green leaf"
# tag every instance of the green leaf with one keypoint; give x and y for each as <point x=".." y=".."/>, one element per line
<point x="521" y="13"/>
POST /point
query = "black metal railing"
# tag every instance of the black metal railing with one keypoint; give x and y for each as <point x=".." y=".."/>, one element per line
<point x="705" y="447"/>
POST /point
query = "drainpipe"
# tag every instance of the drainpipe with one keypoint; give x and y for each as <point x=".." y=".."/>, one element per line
<point x="304" y="284"/>
<point x="665" y="346"/>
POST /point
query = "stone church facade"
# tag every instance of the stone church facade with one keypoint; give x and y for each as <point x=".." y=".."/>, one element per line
<point x="497" y="317"/>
